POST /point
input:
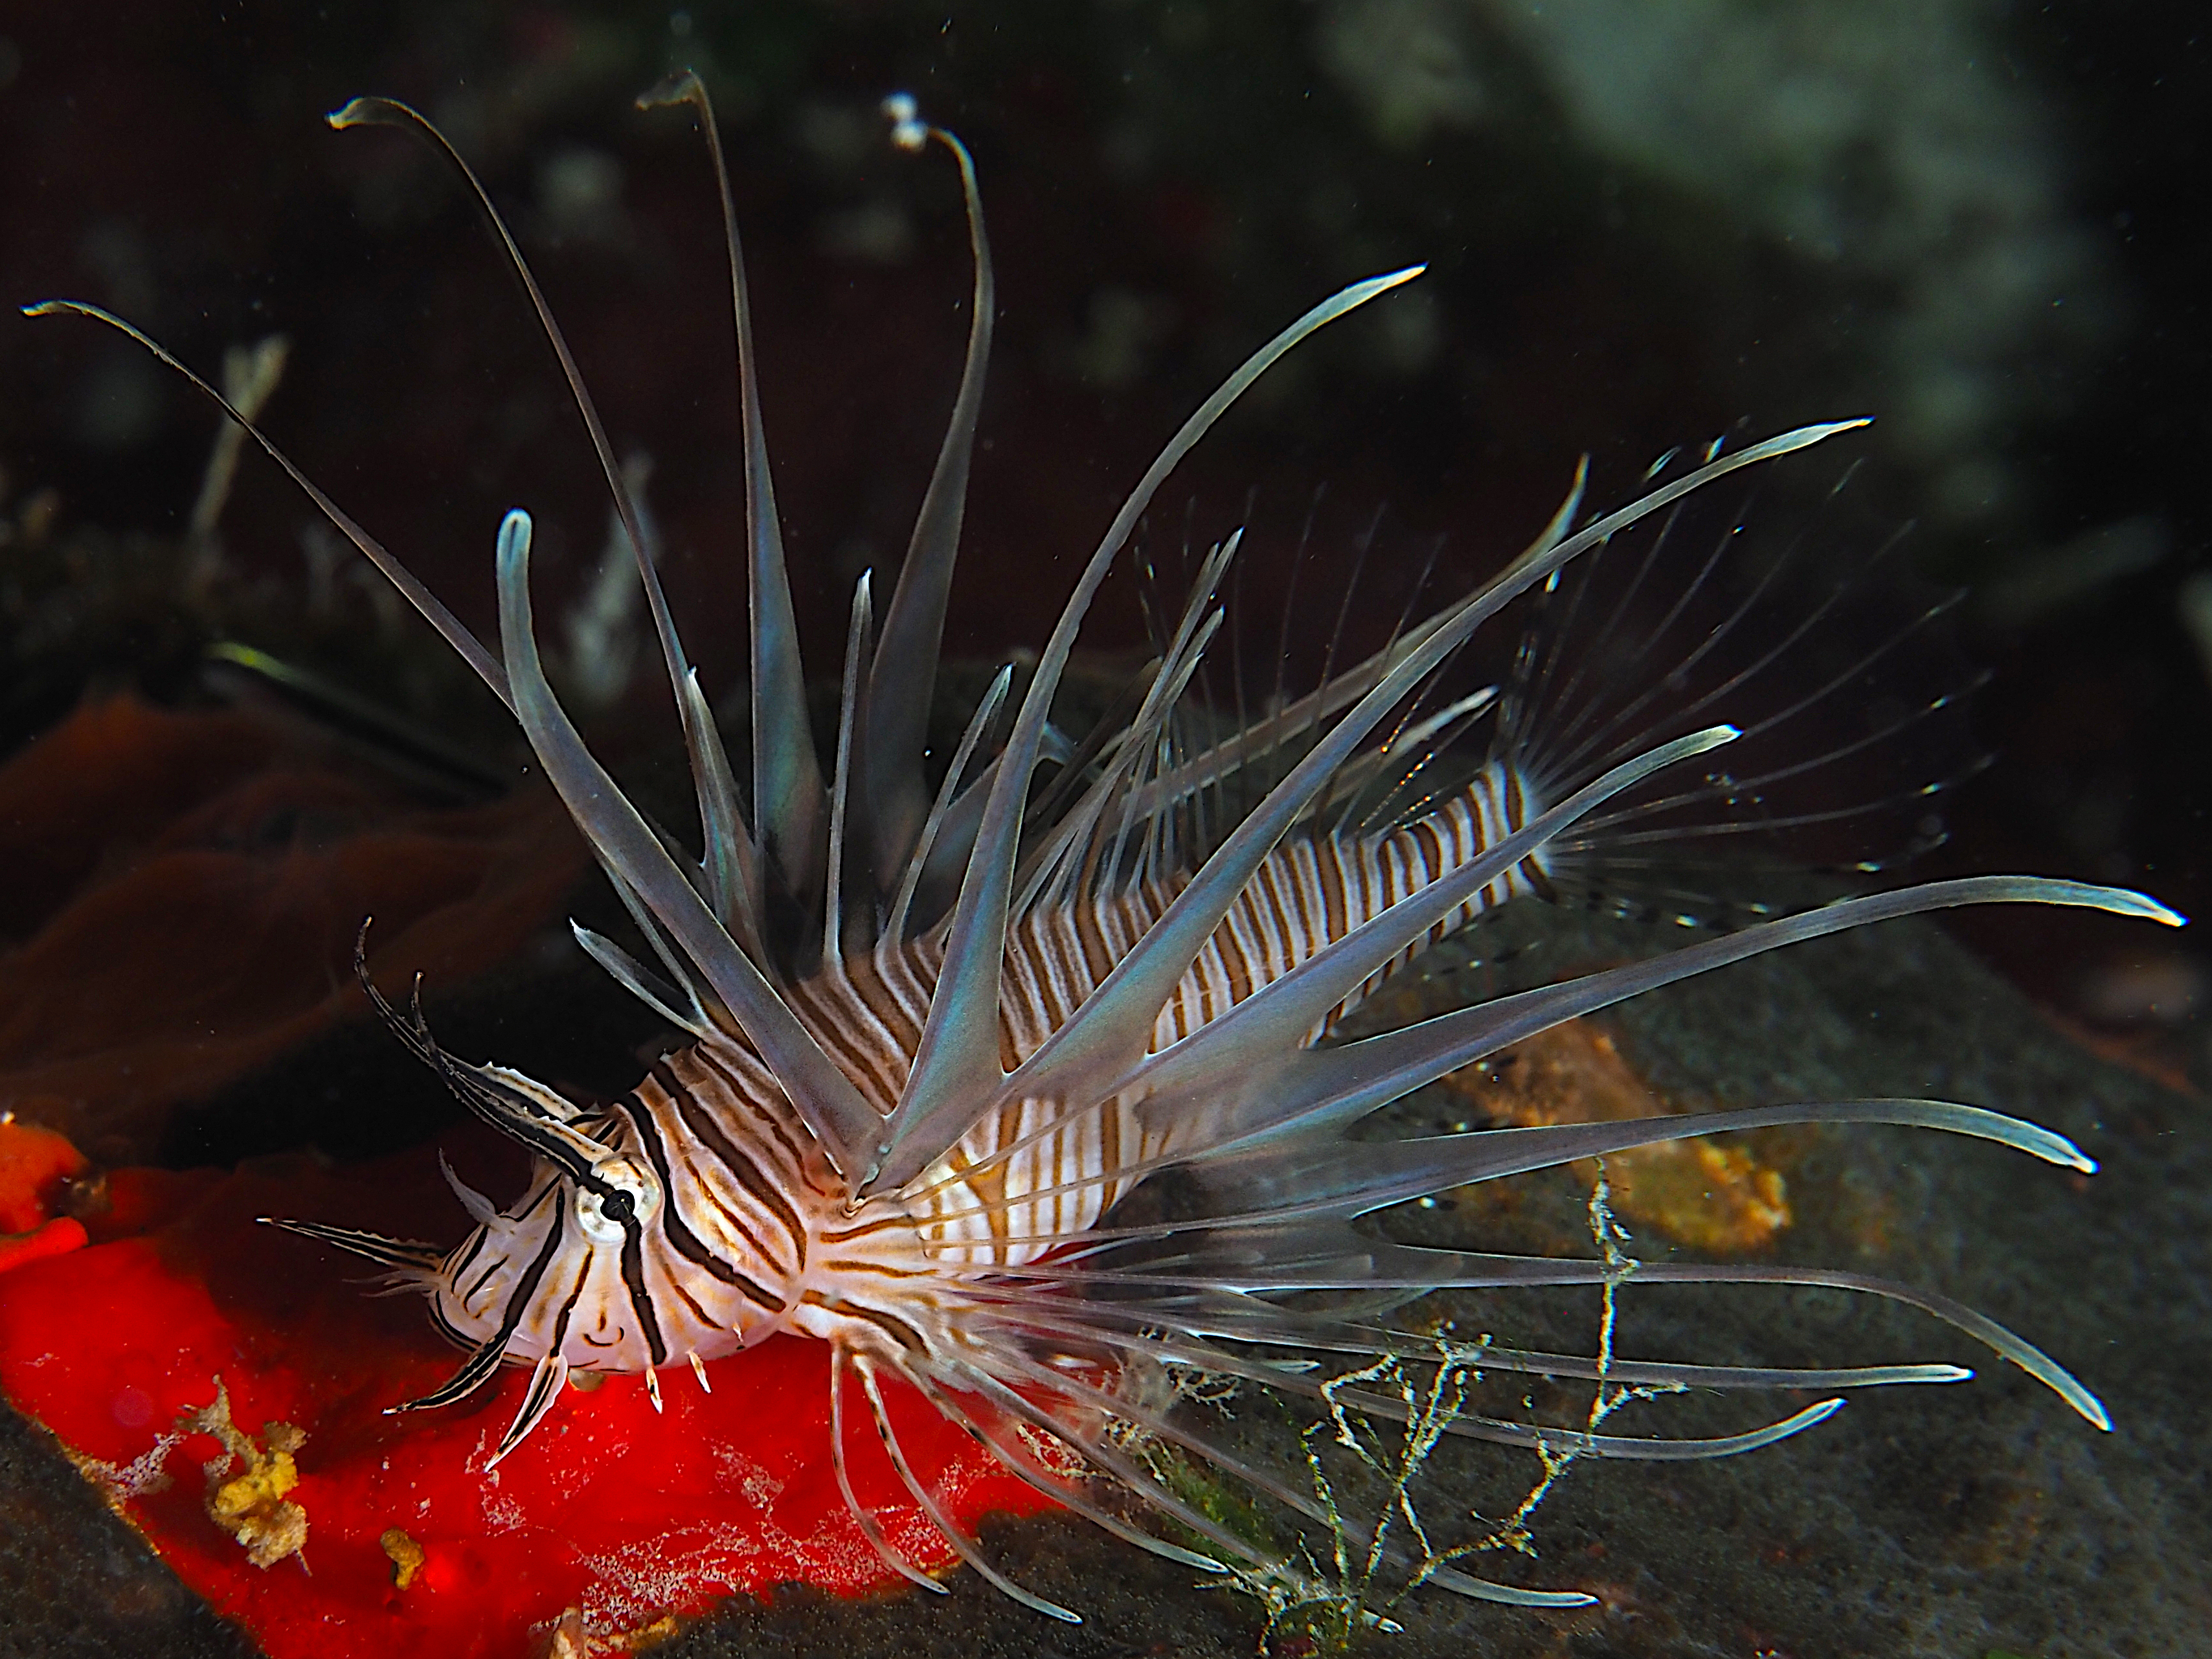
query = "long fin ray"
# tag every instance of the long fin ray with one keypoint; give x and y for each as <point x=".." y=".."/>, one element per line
<point x="1147" y="1485"/>
<point x="852" y="719"/>
<point x="641" y="982"/>
<point x="1186" y="1078"/>
<point x="1984" y="1330"/>
<point x="1109" y="1031"/>
<point x="1638" y="1449"/>
<point x="702" y="742"/>
<point x="903" y="679"/>
<point x="1072" y="852"/>
<point x="789" y="803"/>
<point x="1634" y="1448"/>
<point x="1155" y="1492"/>
<point x="731" y="861"/>
<point x="1290" y="1006"/>
<point x="1322" y="1176"/>
<point x="450" y="628"/>
<point x="1357" y="1077"/>
<point x="870" y="1528"/>
<point x="1414" y="1268"/>
<point x="836" y="1112"/>
<point x="682" y="974"/>
<point x="404" y="1254"/>
<point x="1025" y="1466"/>
<point x="895" y="925"/>
<point x="966" y="1547"/>
<point x="957" y="1061"/>
<point x="1286" y="725"/>
<point x="1135" y="741"/>
<point x="1247" y="1318"/>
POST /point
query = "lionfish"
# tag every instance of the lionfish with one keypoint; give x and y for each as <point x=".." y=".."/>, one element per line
<point x="939" y="1037"/>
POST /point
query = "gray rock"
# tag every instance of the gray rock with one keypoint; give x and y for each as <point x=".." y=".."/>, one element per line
<point x="1949" y="1522"/>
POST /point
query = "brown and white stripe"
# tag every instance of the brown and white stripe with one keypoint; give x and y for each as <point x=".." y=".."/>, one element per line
<point x="752" y="1230"/>
<point x="1310" y="892"/>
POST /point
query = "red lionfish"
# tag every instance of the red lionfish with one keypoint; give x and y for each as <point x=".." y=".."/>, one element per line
<point x="938" y="1035"/>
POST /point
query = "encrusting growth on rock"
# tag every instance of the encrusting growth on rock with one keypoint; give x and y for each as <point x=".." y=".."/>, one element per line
<point x="406" y="1555"/>
<point x="252" y="1506"/>
<point x="1716" y="1196"/>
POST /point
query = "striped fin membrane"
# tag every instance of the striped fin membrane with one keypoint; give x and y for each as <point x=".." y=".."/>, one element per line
<point x="851" y="948"/>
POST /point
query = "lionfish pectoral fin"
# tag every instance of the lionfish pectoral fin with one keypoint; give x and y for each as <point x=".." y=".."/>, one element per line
<point x="1025" y="1464"/>
<point x="407" y="1254"/>
<point x="870" y="1528"/>
<point x="966" y="1547"/>
<point x="544" y="1388"/>
<point x="1483" y="1589"/>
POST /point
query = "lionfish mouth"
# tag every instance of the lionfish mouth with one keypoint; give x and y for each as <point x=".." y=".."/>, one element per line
<point x="1028" y="1085"/>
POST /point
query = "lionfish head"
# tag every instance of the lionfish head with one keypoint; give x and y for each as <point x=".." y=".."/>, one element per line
<point x="554" y="1278"/>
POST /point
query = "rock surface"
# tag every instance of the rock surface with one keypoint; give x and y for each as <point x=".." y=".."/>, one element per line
<point x="1939" y="1521"/>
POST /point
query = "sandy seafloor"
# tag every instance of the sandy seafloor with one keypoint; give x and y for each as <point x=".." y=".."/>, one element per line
<point x="1942" y="1522"/>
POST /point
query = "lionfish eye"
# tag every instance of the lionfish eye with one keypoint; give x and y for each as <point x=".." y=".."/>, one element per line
<point x="604" y="1218"/>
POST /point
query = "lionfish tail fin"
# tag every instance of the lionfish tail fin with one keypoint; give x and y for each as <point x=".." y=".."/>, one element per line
<point x="1811" y="647"/>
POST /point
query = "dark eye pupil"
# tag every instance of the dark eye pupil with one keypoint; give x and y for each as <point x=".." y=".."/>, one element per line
<point x="619" y="1207"/>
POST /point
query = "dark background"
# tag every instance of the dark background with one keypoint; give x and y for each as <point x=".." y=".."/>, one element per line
<point x="1980" y="222"/>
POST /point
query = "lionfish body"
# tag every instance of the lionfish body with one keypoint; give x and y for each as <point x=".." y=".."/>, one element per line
<point x="1021" y="1084"/>
<point x="747" y="1228"/>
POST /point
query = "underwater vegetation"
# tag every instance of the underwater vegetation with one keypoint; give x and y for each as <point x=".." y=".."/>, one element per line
<point x="1386" y="1411"/>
